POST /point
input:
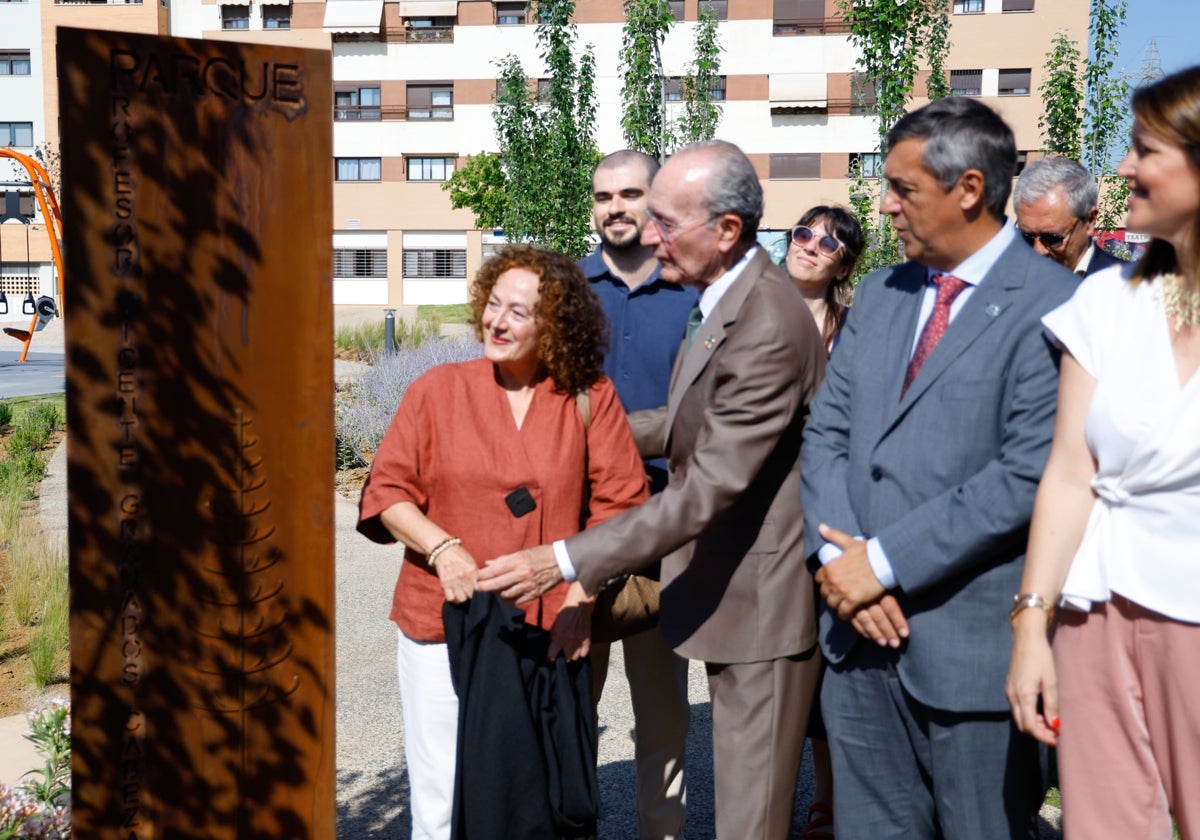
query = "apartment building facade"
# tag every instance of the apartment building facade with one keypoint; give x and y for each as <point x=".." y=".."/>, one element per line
<point x="415" y="84"/>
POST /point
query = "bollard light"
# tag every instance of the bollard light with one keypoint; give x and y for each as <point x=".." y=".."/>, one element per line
<point x="389" y="332"/>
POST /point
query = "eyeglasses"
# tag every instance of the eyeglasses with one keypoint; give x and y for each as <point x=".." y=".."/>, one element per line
<point x="827" y="244"/>
<point x="1050" y="241"/>
<point x="667" y="231"/>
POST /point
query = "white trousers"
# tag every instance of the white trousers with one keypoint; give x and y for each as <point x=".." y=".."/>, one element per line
<point x="430" y="709"/>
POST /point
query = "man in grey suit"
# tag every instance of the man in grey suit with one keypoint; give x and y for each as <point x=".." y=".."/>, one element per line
<point x="1056" y="200"/>
<point x="729" y="525"/>
<point x="920" y="462"/>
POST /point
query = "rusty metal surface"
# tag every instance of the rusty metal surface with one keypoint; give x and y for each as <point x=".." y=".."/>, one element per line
<point x="197" y="214"/>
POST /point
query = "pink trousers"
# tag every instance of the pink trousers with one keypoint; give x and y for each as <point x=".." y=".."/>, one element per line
<point x="1129" y="748"/>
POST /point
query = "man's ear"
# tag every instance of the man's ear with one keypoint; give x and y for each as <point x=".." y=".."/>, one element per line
<point x="1089" y="220"/>
<point x="729" y="231"/>
<point x="973" y="186"/>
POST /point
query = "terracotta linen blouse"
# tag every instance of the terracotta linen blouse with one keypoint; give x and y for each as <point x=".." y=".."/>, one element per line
<point x="454" y="450"/>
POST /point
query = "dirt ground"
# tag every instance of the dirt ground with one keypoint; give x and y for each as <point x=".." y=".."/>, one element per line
<point x="17" y="692"/>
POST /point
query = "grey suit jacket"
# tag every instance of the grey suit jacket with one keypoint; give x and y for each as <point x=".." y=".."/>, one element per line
<point x="945" y="477"/>
<point x="729" y="526"/>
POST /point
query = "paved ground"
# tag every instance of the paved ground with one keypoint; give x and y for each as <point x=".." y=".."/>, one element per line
<point x="42" y="372"/>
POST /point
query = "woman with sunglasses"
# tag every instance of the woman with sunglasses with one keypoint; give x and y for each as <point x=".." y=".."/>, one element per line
<point x="823" y="248"/>
<point x="1106" y="626"/>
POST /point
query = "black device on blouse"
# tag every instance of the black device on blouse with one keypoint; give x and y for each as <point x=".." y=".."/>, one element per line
<point x="520" y="502"/>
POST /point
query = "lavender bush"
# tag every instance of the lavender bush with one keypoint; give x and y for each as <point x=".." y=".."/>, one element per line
<point x="365" y="407"/>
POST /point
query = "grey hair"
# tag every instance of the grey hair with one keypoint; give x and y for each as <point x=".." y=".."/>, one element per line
<point x="734" y="186"/>
<point x="1042" y="176"/>
<point x="628" y="156"/>
<point x="961" y="134"/>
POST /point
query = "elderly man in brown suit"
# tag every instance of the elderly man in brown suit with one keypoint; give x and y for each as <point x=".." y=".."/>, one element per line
<point x="729" y="526"/>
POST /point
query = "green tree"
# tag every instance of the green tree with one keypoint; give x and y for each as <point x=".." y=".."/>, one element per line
<point x="1107" y="104"/>
<point x="701" y="111"/>
<point x="1062" y="98"/>
<point x="893" y="39"/>
<point x="643" y="118"/>
<point x="480" y="185"/>
<point x="547" y="142"/>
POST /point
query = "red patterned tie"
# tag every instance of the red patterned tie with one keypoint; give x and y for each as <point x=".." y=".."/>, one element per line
<point x="948" y="288"/>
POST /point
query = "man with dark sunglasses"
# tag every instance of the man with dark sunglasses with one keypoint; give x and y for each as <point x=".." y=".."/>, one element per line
<point x="1056" y="199"/>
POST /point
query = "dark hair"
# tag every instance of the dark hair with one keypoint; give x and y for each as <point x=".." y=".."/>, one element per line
<point x="961" y="134"/>
<point x="845" y="227"/>
<point x="628" y="156"/>
<point x="571" y="339"/>
<point x="1170" y="109"/>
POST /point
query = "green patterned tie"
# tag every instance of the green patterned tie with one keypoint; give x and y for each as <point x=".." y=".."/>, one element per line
<point x="695" y="319"/>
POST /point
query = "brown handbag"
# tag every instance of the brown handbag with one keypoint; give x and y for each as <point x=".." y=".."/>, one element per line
<point x="627" y="604"/>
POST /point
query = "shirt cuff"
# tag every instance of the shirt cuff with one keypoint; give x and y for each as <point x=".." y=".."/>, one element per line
<point x="879" y="564"/>
<point x="828" y="553"/>
<point x="564" y="560"/>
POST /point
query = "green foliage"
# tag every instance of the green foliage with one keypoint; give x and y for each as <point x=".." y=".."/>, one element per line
<point x="1107" y="110"/>
<point x="480" y="186"/>
<point x="701" y="111"/>
<point x="643" y="118"/>
<point x="882" y="246"/>
<point x="445" y="313"/>
<point x="6" y="413"/>
<point x="49" y="640"/>
<point x="368" y="339"/>
<point x="50" y="732"/>
<point x="548" y="143"/>
<point x="1062" y="95"/>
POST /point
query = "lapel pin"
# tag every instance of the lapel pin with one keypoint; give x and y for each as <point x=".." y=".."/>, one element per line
<point x="993" y="310"/>
<point x="709" y="343"/>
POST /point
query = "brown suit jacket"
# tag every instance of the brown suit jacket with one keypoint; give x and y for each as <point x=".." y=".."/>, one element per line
<point x="729" y="526"/>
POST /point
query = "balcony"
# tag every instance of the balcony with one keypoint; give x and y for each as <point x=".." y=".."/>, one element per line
<point x="97" y="2"/>
<point x="369" y="113"/>
<point x="420" y="34"/>
<point x="811" y="26"/>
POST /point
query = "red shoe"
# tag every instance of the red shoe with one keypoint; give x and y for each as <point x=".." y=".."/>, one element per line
<point x="820" y="822"/>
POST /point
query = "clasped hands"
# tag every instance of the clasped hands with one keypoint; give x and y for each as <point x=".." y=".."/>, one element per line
<point x="851" y="589"/>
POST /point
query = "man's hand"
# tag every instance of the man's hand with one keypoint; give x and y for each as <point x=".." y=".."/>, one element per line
<point x="571" y="634"/>
<point x="847" y="583"/>
<point x="882" y="622"/>
<point x="521" y="576"/>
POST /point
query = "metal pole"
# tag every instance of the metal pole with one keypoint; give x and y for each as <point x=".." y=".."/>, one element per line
<point x="389" y="332"/>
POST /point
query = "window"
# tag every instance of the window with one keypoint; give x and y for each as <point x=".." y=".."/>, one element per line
<point x="791" y="167"/>
<point x="799" y="17"/>
<point x="510" y="14"/>
<point x="358" y="169"/>
<point x="676" y="9"/>
<point x="1017" y="6"/>
<point x="719" y="7"/>
<point x="18" y="134"/>
<point x="360" y="262"/>
<point x="277" y="17"/>
<point x="1014" y="82"/>
<point x="968" y="7"/>
<point x="430" y="168"/>
<point x="235" y="17"/>
<point x="966" y="82"/>
<point x="1022" y="160"/>
<point x="14" y="62"/>
<point x="357" y="103"/>
<point x="430" y="102"/>
<point x="862" y="94"/>
<point x="435" y="263"/>
<point x="871" y="163"/>
<point x="673" y="90"/>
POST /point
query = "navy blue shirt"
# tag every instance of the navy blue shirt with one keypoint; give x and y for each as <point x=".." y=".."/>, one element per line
<point x="645" y="327"/>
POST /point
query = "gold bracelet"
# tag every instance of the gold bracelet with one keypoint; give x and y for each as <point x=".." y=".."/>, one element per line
<point x="449" y="542"/>
<point x="1025" y="600"/>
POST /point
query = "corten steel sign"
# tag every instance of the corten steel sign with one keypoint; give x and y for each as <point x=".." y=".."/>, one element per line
<point x="199" y="329"/>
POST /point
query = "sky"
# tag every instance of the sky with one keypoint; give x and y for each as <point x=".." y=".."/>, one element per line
<point x="1173" y="24"/>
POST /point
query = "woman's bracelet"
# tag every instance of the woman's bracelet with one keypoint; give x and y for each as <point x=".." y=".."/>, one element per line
<point x="449" y="542"/>
<point x="1025" y="600"/>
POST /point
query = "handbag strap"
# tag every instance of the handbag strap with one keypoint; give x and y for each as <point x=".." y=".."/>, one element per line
<point x="583" y="401"/>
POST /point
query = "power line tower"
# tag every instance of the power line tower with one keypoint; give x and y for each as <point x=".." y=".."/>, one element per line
<point x="1151" y="70"/>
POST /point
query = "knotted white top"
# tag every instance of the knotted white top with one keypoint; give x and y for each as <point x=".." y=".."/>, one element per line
<point x="1143" y="428"/>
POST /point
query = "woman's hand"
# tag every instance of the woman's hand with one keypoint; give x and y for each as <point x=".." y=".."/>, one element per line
<point x="456" y="569"/>
<point x="1031" y="676"/>
<point x="572" y="631"/>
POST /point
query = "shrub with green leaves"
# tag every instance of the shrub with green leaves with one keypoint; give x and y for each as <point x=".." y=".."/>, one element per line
<point x="6" y="413"/>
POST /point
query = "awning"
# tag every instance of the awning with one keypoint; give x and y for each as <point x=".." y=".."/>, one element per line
<point x="798" y="90"/>
<point x="428" y="8"/>
<point x="235" y="2"/>
<point x="353" y="16"/>
<point x="275" y="2"/>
